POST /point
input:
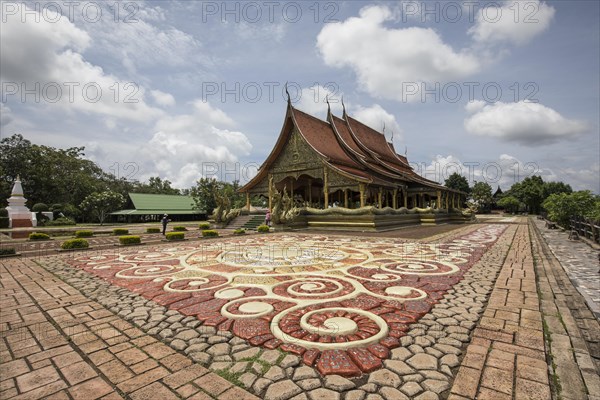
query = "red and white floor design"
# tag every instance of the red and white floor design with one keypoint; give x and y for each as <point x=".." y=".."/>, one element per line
<point x="340" y="302"/>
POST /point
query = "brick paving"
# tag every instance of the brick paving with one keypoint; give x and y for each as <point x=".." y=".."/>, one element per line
<point x="58" y="344"/>
<point x="73" y="333"/>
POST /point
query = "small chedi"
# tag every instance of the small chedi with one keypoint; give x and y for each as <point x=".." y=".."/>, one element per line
<point x="19" y="215"/>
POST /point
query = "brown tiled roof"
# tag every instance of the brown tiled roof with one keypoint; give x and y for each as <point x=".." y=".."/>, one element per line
<point x="348" y="146"/>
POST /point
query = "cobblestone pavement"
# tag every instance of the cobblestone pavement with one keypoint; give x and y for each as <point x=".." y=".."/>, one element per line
<point x="579" y="260"/>
<point x="463" y="305"/>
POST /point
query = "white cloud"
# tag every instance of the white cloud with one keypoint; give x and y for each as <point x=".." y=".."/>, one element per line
<point x="376" y="117"/>
<point x="183" y="143"/>
<point x="515" y="22"/>
<point x="313" y="100"/>
<point x="386" y="60"/>
<point x="5" y="115"/>
<point x="527" y="123"/>
<point x="162" y="98"/>
<point x="503" y="171"/>
<point x="474" y="106"/>
<point x="45" y="57"/>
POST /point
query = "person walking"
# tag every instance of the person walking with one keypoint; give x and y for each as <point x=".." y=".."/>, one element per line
<point x="165" y="220"/>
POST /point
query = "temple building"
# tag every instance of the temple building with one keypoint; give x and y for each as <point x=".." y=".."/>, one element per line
<point x="342" y="162"/>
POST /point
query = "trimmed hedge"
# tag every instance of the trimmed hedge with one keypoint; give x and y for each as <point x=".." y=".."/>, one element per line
<point x="127" y="240"/>
<point x="75" y="244"/>
<point x="179" y="229"/>
<point x="62" y="221"/>
<point x="120" y="231"/>
<point x="175" y="236"/>
<point x="38" y="236"/>
<point x="239" y="231"/>
<point x="204" y="226"/>
<point x="8" y="251"/>
<point x="263" y="228"/>
<point x="209" y="233"/>
<point x="152" y="230"/>
<point x="82" y="234"/>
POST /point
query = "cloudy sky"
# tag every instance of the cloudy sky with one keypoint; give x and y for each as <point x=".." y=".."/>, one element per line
<point x="181" y="89"/>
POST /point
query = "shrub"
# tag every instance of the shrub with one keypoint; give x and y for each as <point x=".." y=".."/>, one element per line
<point x="75" y="243"/>
<point x="82" y="234"/>
<point x="38" y="236"/>
<point x="175" y="236"/>
<point x="3" y="212"/>
<point x="179" y="229"/>
<point x="239" y="231"/>
<point x="204" y="226"/>
<point x="209" y="233"/>
<point x="152" y="230"/>
<point x="62" y="221"/>
<point x="8" y="251"/>
<point x="120" y="231"/>
<point x="128" y="240"/>
<point x="40" y="207"/>
<point x="4" y="222"/>
<point x="263" y="228"/>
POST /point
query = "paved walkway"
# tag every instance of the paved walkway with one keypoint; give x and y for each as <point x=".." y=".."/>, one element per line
<point x="503" y="322"/>
<point x="579" y="260"/>
<point x="58" y="344"/>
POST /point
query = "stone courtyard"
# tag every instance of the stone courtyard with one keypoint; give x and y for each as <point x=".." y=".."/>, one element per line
<point x="462" y="313"/>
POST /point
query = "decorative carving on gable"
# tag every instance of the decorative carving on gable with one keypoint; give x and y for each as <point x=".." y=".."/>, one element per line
<point x="297" y="158"/>
<point x="339" y="181"/>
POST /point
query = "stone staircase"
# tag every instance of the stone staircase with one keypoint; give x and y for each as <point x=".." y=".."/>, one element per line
<point x="249" y="222"/>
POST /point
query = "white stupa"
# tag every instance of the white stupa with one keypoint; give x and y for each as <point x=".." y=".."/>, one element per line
<point x="19" y="215"/>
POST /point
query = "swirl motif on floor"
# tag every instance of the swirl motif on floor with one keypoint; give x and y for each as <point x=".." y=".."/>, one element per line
<point x="341" y="303"/>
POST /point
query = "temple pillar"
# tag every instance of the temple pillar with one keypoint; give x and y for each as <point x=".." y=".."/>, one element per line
<point x="325" y="188"/>
<point x="446" y="197"/>
<point x="395" y="199"/>
<point x="421" y="200"/>
<point x="405" y="195"/>
<point x="453" y="200"/>
<point x="380" y="197"/>
<point x="270" y="192"/>
<point x="310" y="192"/>
<point x="438" y="201"/>
<point x="361" y="189"/>
<point x="345" y="198"/>
<point x="248" y="201"/>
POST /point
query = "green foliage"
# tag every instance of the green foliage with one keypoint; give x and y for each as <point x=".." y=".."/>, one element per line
<point x="155" y="185"/>
<point x="40" y="207"/>
<point x="209" y="233"/>
<point x="75" y="244"/>
<point x="101" y="204"/>
<point x="82" y="234"/>
<point x="458" y="182"/>
<point x="555" y="188"/>
<point x="62" y="221"/>
<point x="4" y="222"/>
<point x="179" y="229"/>
<point x="152" y="230"/>
<point x="38" y="236"/>
<point x="120" y="231"/>
<point x="509" y="204"/>
<point x="203" y="194"/>
<point x="562" y="207"/>
<point x="70" y="211"/>
<point x="239" y="231"/>
<point x="263" y="229"/>
<point x="175" y="236"/>
<point x="204" y="226"/>
<point x="8" y="251"/>
<point x="3" y="212"/>
<point x="481" y="193"/>
<point x="129" y="240"/>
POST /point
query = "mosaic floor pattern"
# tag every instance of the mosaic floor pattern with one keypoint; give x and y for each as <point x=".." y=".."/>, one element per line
<point x="341" y="303"/>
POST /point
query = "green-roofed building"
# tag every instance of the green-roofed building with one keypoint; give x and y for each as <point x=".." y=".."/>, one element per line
<point x="151" y="207"/>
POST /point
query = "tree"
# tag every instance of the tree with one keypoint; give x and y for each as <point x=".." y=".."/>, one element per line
<point x="530" y="191"/>
<point x="101" y="204"/>
<point x="562" y="207"/>
<point x="156" y="185"/>
<point x="509" y="203"/>
<point x="481" y="193"/>
<point x="457" y="182"/>
<point x="556" y="187"/>
<point x="203" y="194"/>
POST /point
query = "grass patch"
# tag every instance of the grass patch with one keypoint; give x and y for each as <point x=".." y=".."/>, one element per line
<point x="230" y="376"/>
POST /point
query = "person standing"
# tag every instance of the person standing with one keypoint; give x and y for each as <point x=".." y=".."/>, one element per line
<point x="165" y="221"/>
<point x="268" y="218"/>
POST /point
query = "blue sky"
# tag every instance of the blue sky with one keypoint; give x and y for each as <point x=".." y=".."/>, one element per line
<point x="192" y="88"/>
